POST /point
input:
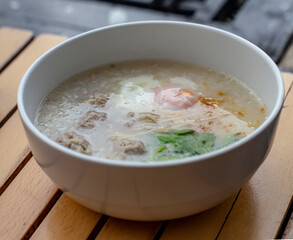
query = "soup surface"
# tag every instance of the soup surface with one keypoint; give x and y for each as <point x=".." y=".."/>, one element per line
<point x="149" y="110"/>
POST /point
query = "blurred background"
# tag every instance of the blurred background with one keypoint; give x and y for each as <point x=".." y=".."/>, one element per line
<point x="266" y="23"/>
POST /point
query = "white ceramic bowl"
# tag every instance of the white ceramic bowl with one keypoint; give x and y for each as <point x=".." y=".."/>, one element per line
<point x="157" y="190"/>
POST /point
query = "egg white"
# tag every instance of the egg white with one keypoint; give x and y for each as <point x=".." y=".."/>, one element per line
<point x="137" y="93"/>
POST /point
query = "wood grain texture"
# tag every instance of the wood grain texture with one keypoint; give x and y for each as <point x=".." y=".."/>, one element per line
<point x="14" y="147"/>
<point x="287" y="60"/>
<point x="205" y="225"/>
<point x="262" y="203"/>
<point x="67" y="220"/>
<point x="12" y="75"/>
<point x="128" y="230"/>
<point x="24" y="200"/>
<point x="12" y="41"/>
<point x="288" y="81"/>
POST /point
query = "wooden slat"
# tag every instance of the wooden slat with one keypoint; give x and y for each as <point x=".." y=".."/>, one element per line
<point x="262" y="203"/>
<point x="205" y="225"/>
<point x="10" y="78"/>
<point x="14" y="148"/>
<point x="67" y="220"/>
<point x="12" y="41"/>
<point x="287" y="60"/>
<point x="24" y="200"/>
<point x="288" y="81"/>
<point x="128" y="230"/>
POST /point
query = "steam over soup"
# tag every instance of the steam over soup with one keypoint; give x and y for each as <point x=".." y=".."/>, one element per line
<point x="150" y="110"/>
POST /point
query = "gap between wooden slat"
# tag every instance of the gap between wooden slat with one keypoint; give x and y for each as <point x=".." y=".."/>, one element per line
<point x="14" y="150"/>
<point x="43" y="214"/>
<point x="6" y="118"/>
<point x="204" y="225"/>
<point x="24" y="201"/>
<point x="288" y="91"/>
<point x="165" y="223"/>
<point x="68" y="220"/>
<point x="286" y="226"/>
<point x="13" y="41"/>
<point x="161" y="230"/>
<point x="100" y="224"/>
<point x="24" y="158"/>
<point x="288" y="81"/>
<point x="129" y="230"/>
<point x="12" y="57"/>
<point x="228" y="215"/>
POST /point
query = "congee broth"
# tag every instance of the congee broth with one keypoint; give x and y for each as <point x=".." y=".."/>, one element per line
<point x="149" y="110"/>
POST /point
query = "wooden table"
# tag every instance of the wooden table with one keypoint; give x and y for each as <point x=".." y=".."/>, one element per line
<point x="31" y="206"/>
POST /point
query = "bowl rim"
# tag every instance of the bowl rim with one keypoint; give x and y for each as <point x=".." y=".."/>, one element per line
<point x="121" y="163"/>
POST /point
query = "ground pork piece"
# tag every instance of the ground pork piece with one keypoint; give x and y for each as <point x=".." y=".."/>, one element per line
<point x="131" y="114"/>
<point x="75" y="142"/>
<point x="87" y="121"/>
<point x="130" y="146"/>
<point x="129" y="123"/>
<point x="99" y="100"/>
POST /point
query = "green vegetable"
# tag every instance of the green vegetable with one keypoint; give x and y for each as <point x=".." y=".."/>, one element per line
<point x="183" y="132"/>
<point x="195" y="144"/>
<point x="174" y="136"/>
<point x="186" y="143"/>
<point x="183" y="143"/>
<point x="169" y="137"/>
<point x="161" y="149"/>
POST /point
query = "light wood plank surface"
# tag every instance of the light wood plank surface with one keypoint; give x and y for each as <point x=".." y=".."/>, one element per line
<point x="262" y="203"/>
<point x="14" y="147"/>
<point x="203" y="226"/>
<point x="24" y="200"/>
<point x="287" y="60"/>
<point x="12" y="75"/>
<point x="12" y="41"/>
<point x="288" y="80"/>
<point x="128" y="230"/>
<point x="67" y="220"/>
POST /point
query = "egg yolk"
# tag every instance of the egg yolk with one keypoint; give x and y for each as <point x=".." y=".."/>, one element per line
<point x="175" y="97"/>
